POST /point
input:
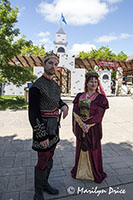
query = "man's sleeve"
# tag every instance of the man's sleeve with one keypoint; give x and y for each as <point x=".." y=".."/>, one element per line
<point x="62" y="103"/>
<point x="39" y="129"/>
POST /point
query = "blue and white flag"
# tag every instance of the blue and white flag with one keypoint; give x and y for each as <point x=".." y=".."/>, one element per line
<point x="63" y="18"/>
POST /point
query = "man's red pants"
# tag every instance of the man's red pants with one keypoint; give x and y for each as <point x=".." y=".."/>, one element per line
<point x="43" y="158"/>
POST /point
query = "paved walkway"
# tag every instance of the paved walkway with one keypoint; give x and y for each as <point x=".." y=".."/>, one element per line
<point x="17" y="160"/>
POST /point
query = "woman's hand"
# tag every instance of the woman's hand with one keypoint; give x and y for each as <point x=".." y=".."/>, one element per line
<point x="85" y="128"/>
<point x="45" y="143"/>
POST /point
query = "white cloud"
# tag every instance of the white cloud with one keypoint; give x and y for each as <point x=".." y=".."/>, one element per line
<point x="114" y="1"/>
<point x="43" y="34"/>
<point x="112" y="36"/>
<point x="76" y="12"/>
<point x="106" y="38"/>
<point x="44" y="40"/>
<point x="77" y="48"/>
<point x="125" y="35"/>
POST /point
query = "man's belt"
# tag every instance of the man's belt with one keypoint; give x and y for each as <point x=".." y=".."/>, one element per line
<point x="50" y="113"/>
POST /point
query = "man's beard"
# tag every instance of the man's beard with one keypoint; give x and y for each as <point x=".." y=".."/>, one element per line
<point x="50" y="72"/>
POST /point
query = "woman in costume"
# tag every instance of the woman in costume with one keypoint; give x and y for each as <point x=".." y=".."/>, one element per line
<point x="88" y="111"/>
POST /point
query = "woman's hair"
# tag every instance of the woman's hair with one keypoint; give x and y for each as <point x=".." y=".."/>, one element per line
<point x="88" y="76"/>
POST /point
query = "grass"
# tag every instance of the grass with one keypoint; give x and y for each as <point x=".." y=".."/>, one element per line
<point x="12" y="102"/>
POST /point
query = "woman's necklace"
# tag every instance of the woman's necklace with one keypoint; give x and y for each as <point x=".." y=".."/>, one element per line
<point x="88" y="94"/>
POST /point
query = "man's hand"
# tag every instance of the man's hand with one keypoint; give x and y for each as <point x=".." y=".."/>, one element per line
<point x="64" y="109"/>
<point x="45" y="143"/>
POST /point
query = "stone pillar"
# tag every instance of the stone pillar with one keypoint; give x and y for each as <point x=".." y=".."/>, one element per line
<point x="119" y="79"/>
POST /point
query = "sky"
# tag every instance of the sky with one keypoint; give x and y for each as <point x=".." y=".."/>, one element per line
<point x="90" y="23"/>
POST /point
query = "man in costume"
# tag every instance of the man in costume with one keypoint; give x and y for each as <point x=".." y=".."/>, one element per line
<point x="44" y="105"/>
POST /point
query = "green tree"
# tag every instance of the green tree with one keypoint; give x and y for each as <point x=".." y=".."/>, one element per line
<point x="10" y="48"/>
<point x="103" y="53"/>
<point x="33" y="50"/>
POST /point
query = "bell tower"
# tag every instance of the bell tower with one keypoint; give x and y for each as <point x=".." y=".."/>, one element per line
<point x="60" y="42"/>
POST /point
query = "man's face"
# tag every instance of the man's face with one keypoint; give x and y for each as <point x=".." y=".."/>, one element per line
<point x="50" y="66"/>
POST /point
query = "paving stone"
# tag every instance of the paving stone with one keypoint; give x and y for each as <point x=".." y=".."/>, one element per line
<point x="33" y="154"/>
<point x="129" y="162"/>
<point x="28" y="146"/>
<point x="68" y="171"/>
<point x="19" y="162"/>
<point x="70" y="182"/>
<point x="29" y="172"/>
<point x="126" y="158"/>
<point x="29" y="184"/>
<point x="26" y="195"/>
<point x="56" y="181"/>
<point x="118" y="165"/>
<point x="6" y="162"/>
<point x="57" y="167"/>
<point x="109" y="153"/>
<point x="4" y="183"/>
<point x="16" y="142"/>
<point x="113" y="180"/>
<point x="33" y="162"/>
<point x="14" y="148"/>
<point x="62" y="193"/>
<point x="129" y="191"/>
<point x="23" y="154"/>
<point x="58" y="153"/>
<point x="16" y="171"/>
<point x="10" y="196"/>
<point x="68" y="162"/>
<point x="123" y="153"/>
<point x="126" y="178"/>
<point x="4" y="172"/>
<point x="9" y="154"/>
<point x="108" y="169"/>
<point x="112" y="160"/>
<point x="124" y="171"/>
<point x="16" y="183"/>
<point x="57" y="161"/>
<point x="1" y="153"/>
<point x="92" y="197"/>
<point x="57" y="173"/>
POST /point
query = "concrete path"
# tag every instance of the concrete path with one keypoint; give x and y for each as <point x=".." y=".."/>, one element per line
<point x="17" y="160"/>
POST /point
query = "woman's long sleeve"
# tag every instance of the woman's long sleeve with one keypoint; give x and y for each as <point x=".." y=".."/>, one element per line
<point x="102" y="105"/>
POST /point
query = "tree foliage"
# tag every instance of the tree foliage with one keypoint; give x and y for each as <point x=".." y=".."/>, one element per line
<point x="33" y="50"/>
<point x="10" y="48"/>
<point x="103" y="53"/>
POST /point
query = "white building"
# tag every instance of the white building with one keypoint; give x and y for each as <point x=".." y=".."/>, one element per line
<point x="77" y="75"/>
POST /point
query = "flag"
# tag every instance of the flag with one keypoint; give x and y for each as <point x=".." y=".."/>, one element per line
<point x="63" y="18"/>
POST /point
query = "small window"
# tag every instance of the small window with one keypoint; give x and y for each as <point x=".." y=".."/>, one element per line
<point x="105" y="77"/>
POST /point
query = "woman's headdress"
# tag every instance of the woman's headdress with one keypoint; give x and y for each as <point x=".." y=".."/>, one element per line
<point x="91" y="74"/>
<point x="94" y="74"/>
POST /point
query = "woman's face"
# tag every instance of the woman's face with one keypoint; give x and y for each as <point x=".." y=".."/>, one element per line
<point x="92" y="84"/>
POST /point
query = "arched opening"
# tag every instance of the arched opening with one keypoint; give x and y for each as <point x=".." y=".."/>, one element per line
<point x="61" y="50"/>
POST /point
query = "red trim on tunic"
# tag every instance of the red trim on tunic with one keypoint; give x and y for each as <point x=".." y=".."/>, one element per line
<point x="50" y="113"/>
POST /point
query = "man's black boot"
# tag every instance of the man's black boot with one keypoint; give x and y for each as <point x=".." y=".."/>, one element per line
<point x="46" y="186"/>
<point x="38" y="184"/>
